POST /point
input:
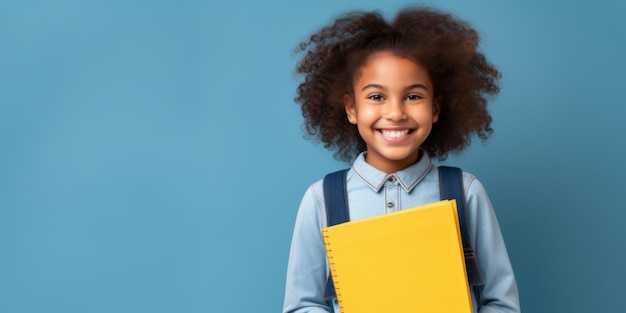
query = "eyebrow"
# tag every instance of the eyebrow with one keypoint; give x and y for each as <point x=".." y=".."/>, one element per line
<point x="376" y="86"/>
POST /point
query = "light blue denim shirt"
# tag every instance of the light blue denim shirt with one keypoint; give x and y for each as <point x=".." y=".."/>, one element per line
<point x="372" y="192"/>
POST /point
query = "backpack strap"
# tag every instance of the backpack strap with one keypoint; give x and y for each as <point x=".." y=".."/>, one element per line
<point x="451" y="188"/>
<point x="337" y="212"/>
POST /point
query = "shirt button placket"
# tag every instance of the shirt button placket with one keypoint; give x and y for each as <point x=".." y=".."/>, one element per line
<point x="391" y="193"/>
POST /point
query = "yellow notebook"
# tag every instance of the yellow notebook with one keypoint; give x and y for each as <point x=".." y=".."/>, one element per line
<point x="407" y="261"/>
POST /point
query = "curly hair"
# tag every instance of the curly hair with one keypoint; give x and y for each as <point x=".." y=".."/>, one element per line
<point x="447" y="47"/>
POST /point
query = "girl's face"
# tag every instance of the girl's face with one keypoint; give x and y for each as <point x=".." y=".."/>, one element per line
<point x="393" y="109"/>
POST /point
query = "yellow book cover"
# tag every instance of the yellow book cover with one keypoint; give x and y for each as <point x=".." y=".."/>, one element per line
<point x="407" y="261"/>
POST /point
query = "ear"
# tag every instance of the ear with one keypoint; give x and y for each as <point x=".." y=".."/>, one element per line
<point x="348" y="103"/>
<point x="436" y="109"/>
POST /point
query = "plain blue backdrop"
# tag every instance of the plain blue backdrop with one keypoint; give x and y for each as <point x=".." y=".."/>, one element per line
<point x="152" y="157"/>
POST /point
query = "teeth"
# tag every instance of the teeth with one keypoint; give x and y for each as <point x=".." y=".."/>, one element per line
<point x="394" y="133"/>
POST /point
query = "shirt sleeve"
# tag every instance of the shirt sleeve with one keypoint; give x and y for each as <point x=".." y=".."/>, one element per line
<point x="307" y="268"/>
<point x="499" y="294"/>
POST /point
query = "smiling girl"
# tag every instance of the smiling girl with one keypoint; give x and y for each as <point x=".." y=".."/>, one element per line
<point x="388" y="97"/>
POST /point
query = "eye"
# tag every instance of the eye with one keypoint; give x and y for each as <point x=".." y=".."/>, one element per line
<point x="376" y="97"/>
<point x="413" y="97"/>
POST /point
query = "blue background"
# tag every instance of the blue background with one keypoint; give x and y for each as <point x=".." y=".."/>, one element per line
<point x="152" y="158"/>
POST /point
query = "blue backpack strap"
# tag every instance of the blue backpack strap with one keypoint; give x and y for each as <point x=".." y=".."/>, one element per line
<point x="451" y="187"/>
<point x="336" y="203"/>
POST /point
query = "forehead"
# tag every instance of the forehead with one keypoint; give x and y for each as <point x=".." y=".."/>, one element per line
<point x="388" y="67"/>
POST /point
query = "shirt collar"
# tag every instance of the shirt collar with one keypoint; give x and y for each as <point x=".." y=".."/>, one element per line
<point x="408" y="177"/>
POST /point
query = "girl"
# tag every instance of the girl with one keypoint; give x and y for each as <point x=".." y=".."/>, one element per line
<point x="389" y="97"/>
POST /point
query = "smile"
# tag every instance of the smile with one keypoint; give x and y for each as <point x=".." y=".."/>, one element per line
<point x="394" y="133"/>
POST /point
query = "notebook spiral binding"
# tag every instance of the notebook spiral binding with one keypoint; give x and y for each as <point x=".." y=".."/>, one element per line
<point x="331" y="264"/>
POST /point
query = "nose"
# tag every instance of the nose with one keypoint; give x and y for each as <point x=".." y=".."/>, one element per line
<point x="395" y="111"/>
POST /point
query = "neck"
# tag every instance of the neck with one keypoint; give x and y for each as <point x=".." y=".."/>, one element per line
<point x="392" y="166"/>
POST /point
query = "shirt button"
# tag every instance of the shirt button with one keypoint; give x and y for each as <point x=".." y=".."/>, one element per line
<point x="392" y="179"/>
<point x="390" y="204"/>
